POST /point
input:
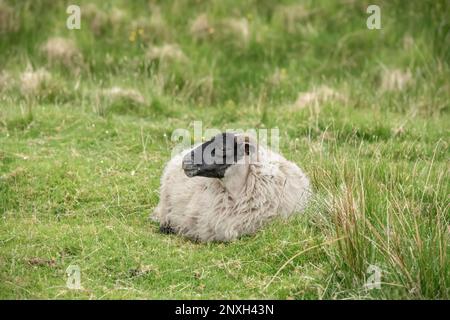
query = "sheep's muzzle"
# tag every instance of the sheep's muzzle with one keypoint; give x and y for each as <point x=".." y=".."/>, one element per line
<point x="212" y="158"/>
<point x="190" y="169"/>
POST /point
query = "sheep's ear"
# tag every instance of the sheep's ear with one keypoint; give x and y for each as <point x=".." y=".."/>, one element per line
<point x="249" y="147"/>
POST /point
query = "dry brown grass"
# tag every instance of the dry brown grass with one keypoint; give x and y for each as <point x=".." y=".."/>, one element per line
<point x="400" y="238"/>
<point x="117" y="16"/>
<point x="202" y="89"/>
<point x="291" y="16"/>
<point x="118" y="93"/>
<point x="408" y="42"/>
<point x="201" y="28"/>
<point x="6" y="81"/>
<point x="9" y="20"/>
<point x="395" y="80"/>
<point x="166" y="53"/>
<point x="33" y="82"/>
<point x="149" y="29"/>
<point x="278" y="77"/>
<point x="96" y="18"/>
<point x="316" y="96"/>
<point x="347" y="208"/>
<point x="236" y="29"/>
<point x="62" y="51"/>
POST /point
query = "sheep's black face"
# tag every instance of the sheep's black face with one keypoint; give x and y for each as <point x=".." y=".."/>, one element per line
<point x="214" y="157"/>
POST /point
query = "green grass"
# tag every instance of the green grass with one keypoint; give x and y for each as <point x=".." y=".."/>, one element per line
<point x="79" y="173"/>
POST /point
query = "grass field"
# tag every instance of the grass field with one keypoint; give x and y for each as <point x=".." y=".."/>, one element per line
<point x="86" y="118"/>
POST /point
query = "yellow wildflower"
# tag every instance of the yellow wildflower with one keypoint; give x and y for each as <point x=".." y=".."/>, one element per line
<point x="132" y="36"/>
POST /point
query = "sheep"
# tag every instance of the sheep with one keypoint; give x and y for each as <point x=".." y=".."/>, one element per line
<point x="228" y="187"/>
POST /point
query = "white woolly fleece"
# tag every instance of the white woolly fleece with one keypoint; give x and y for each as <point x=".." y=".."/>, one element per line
<point x="211" y="209"/>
